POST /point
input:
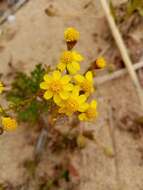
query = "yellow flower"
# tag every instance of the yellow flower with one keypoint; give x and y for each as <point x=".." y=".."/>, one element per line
<point x="70" y="60"/>
<point x="1" y="87"/>
<point x="74" y="103"/>
<point x="85" y="83"/>
<point x="90" y="113"/>
<point x="56" y="86"/>
<point x="101" y="63"/>
<point x="71" y="34"/>
<point x="9" y="124"/>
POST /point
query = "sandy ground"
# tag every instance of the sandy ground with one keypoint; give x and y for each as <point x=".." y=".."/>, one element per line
<point x="38" y="38"/>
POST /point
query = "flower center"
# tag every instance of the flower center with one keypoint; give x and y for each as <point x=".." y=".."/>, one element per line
<point x="72" y="105"/>
<point x="56" y="86"/>
<point x="71" y="35"/>
<point x="67" y="57"/>
<point x="91" y="113"/>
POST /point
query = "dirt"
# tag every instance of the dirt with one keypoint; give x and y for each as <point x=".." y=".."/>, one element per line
<point x="36" y="37"/>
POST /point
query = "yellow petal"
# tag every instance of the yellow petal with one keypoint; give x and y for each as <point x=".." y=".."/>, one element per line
<point x="47" y="78"/>
<point x="82" y="98"/>
<point x="83" y="107"/>
<point x="65" y="79"/>
<point x="61" y="66"/>
<point x="44" y="85"/>
<point x="48" y="95"/>
<point x="64" y="95"/>
<point x="58" y="100"/>
<point x="62" y="110"/>
<point x="1" y="87"/>
<point x="68" y="87"/>
<point x="75" y="91"/>
<point x="82" y="117"/>
<point x="77" y="56"/>
<point x="73" y="67"/>
<point x="79" y="78"/>
<point x="89" y="76"/>
<point x="94" y="104"/>
<point x="56" y="75"/>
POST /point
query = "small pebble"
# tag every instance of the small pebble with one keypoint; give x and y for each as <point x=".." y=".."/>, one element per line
<point x="11" y="19"/>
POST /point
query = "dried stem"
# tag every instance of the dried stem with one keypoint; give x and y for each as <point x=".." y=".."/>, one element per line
<point x="17" y="6"/>
<point x="122" y="47"/>
<point x="41" y="142"/>
<point x="116" y="74"/>
<point x="42" y="139"/>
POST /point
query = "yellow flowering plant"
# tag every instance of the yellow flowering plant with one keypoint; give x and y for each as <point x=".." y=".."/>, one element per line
<point x="49" y="97"/>
<point x="65" y="89"/>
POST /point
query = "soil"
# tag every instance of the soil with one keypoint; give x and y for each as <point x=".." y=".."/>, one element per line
<point x="37" y="37"/>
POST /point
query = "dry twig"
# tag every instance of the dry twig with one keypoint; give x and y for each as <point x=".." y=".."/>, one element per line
<point x="122" y="47"/>
<point x="108" y="77"/>
<point x="13" y="10"/>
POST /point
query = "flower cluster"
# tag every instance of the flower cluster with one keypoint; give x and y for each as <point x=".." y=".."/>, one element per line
<point x="8" y="123"/>
<point x="101" y="63"/>
<point x="71" y="35"/>
<point x="69" y="89"/>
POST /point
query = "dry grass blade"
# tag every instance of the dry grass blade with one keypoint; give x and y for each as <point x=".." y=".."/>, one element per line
<point x="102" y="79"/>
<point x="122" y="47"/>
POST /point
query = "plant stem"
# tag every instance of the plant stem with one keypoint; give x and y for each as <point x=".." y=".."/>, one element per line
<point x="116" y="74"/>
<point x="122" y="48"/>
<point x="42" y="139"/>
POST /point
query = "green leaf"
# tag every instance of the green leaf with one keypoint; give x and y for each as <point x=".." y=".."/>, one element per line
<point x="12" y="97"/>
<point x="24" y="87"/>
<point x="37" y="77"/>
<point x="65" y="175"/>
<point x="31" y="113"/>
